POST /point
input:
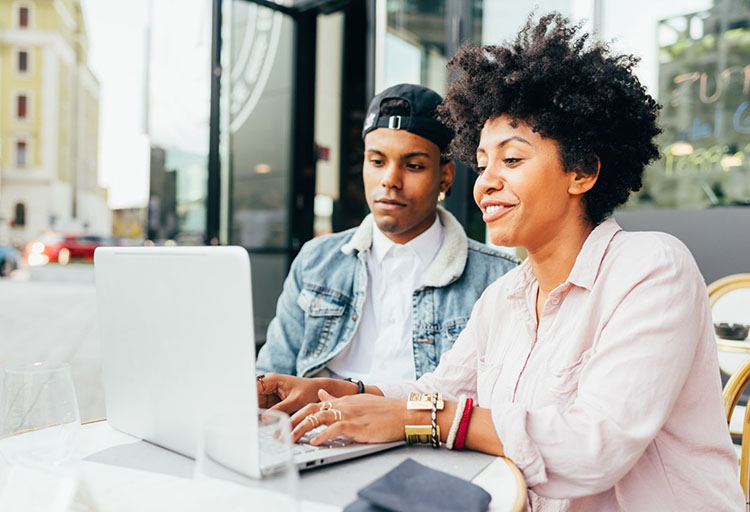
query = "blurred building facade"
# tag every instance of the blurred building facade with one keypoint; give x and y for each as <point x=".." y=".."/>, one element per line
<point x="49" y="122"/>
<point x="128" y="224"/>
<point x="162" y="202"/>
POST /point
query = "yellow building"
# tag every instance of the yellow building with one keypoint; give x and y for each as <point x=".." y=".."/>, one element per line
<point x="49" y="122"/>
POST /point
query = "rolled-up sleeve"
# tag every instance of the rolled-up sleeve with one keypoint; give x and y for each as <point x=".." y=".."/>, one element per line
<point x="638" y="365"/>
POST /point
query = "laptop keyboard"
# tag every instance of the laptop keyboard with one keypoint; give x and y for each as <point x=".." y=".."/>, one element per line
<point x="304" y="446"/>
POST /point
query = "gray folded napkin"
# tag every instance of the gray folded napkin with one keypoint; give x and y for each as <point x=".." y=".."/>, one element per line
<point x="412" y="487"/>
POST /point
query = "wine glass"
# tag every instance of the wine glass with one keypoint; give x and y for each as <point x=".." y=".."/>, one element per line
<point x="39" y="417"/>
<point x="254" y="450"/>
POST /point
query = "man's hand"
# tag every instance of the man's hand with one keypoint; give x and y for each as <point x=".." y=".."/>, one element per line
<point x="288" y="393"/>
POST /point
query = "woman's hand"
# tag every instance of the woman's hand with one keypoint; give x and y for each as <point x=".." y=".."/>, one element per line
<point x="285" y="392"/>
<point x="364" y="418"/>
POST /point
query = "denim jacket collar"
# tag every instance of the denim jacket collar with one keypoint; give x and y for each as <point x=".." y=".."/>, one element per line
<point x="449" y="262"/>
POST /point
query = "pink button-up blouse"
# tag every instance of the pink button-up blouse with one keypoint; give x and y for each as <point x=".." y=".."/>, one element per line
<point x="613" y="402"/>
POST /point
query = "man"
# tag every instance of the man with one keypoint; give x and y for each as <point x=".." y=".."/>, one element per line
<point x="383" y="301"/>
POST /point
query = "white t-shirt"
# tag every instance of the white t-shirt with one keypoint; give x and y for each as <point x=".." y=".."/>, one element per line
<point x="381" y="349"/>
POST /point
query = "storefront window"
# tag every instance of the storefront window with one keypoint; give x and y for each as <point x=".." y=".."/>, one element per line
<point x="414" y="45"/>
<point x="260" y="100"/>
<point x="257" y="97"/>
<point x="696" y="62"/>
<point x="704" y="85"/>
<point x="177" y="114"/>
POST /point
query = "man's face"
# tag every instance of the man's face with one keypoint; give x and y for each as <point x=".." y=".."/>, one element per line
<point x="403" y="178"/>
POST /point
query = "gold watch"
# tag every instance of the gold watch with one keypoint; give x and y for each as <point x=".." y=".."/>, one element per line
<point x="423" y="402"/>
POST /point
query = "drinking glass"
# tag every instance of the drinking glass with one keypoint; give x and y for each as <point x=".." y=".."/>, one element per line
<point x="39" y="417"/>
<point x="254" y="450"/>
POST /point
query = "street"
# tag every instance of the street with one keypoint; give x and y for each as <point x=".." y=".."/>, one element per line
<point x="49" y="314"/>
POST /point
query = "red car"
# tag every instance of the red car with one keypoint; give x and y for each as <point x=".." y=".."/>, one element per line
<point x="62" y="248"/>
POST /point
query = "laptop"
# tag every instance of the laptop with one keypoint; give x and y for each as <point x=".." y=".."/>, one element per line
<point x="178" y="345"/>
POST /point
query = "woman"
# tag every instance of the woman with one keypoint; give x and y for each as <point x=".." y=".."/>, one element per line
<point x="593" y="364"/>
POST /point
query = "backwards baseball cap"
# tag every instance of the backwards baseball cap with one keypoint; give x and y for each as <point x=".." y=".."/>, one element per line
<point x="420" y="120"/>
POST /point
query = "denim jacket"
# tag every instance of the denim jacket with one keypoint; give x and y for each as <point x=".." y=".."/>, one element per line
<point x="324" y="294"/>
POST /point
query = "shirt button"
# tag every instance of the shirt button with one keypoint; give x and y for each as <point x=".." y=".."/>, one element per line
<point x="555" y="300"/>
<point x="354" y="316"/>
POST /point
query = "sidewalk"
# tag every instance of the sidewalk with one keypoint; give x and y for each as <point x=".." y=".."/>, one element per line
<point x="54" y="321"/>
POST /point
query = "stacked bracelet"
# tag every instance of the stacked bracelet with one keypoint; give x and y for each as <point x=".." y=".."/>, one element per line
<point x="456" y="421"/>
<point x="427" y="434"/>
<point x="463" y="427"/>
<point x="435" y="437"/>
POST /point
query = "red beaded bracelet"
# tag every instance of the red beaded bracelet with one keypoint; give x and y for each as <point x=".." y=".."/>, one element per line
<point x="464" y="427"/>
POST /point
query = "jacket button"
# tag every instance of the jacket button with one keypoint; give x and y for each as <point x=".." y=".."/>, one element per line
<point x="354" y="316"/>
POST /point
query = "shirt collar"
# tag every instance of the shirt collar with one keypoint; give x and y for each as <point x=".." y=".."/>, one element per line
<point x="586" y="267"/>
<point x="425" y="246"/>
<point x="587" y="264"/>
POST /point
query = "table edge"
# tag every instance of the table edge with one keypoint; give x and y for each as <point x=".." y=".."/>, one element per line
<point x="521" y="487"/>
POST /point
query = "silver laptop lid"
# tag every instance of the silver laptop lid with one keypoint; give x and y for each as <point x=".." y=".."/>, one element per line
<point x="177" y="340"/>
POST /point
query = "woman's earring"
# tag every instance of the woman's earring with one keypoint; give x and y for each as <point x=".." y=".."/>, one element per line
<point x="441" y="197"/>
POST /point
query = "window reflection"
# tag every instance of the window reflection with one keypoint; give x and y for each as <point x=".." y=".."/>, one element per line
<point x="260" y="124"/>
<point x="415" y="43"/>
<point x="177" y="113"/>
<point x="694" y="59"/>
<point x="257" y="100"/>
<point x="696" y="62"/>
<point x="704" y="81"/>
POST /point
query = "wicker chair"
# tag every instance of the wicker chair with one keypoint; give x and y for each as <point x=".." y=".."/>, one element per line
<point x="732" y="354"/>
<point x="732" y="391"/>
<point x="722" y="286"/>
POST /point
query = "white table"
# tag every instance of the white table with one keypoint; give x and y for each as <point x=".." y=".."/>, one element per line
<point x="115" y="488"/>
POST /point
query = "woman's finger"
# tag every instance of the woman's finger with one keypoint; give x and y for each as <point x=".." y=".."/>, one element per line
<point x="300" y="415"/>
<point x="338" y="428"/>
<point x="301" y="429"/>
<point x="313" y="420"/>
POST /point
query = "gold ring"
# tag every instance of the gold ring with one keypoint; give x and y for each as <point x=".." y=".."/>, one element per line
<point x="315" y="422"/>
<point x="325" y="406"/>
<point x="336" y="414"/>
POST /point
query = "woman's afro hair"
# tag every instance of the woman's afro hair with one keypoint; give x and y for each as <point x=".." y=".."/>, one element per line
<point x="568" y="89"/>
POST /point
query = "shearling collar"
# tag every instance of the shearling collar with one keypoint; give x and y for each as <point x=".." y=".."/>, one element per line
<point x="450" y="261"/>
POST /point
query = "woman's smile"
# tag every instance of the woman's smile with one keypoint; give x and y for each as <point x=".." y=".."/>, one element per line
<point x="492" y="212"/>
